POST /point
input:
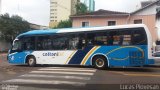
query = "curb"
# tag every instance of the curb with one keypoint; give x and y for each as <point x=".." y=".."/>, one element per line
<point x="157" y="66"/>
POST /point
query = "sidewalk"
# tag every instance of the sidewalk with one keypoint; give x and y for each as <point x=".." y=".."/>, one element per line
<point x="155" y="66"/>
<point x="1" y="54"/>
<point x="2" y="57"/>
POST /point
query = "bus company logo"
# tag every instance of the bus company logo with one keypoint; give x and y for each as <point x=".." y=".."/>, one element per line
<point x="53" y="54"/>
<point x="12" y="58"/>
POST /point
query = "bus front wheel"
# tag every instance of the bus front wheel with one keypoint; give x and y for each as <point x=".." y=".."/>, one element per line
<point x="31" y="61"/>
<point x="99" y="62"/>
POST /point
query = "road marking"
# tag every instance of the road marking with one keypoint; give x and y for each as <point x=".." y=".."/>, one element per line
<point x="59" y="72"/>
<point x="137" y="74"/>
<point x="54" y="69"/>
<point x="143" y="75"/>
<point x="70" y="68"/>
<point x="116" y="72"/>
<point x="55" y="76"/>
<point x="31" y="81"/>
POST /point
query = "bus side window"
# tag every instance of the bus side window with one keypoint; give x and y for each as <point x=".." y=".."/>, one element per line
<point x="47" y="43"/>
<point x="90" y="39"/>
<point x="115" y="38"/>
<point x="82" y="41"/>
<point x="120" y="37"/>
<point x="139" y="37"/>
<point x="43" y="43"/>
<point x="73" y="42"/>
<point x="101" y="38"/>
<point x="125" y="37"/>
<point x="59" y="43"/>
<point x="29" y="43"/>
<point x="110" y="40"/>
<point x="76" y="41"/>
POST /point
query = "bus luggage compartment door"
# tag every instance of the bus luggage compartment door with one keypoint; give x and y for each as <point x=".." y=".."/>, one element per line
<point x="136" y="58"/>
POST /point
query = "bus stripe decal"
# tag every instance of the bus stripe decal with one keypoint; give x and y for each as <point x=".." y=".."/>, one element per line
<point x="69" y="58"/>
<point x="141" y="50"/>
<point x="79" y="55"/>
<point x="89" y="54"/>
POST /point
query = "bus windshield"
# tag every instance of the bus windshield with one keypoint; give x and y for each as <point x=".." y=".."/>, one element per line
<point x="16" y="45"/>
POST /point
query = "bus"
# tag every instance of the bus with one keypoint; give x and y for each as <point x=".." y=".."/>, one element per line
<point x="101" y="47"/>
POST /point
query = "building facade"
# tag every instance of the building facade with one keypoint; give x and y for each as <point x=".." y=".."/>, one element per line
<point x="148" y="15"/>
<point x="61" y="10"/>
<point x="0" y="6"/>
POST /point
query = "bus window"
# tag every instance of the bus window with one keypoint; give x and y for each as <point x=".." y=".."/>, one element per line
<point x="29" y="43"/>
<point x="114" y="38"/>
<point x="73" y="42"/>
<point x="59" y="43"/>
<point x="120" y="37"/>
<point x="44" y="43"/>
<point x="101" y="38"/>
<point x="82" y="41"/>
<point x="139" y="37"/>
<point x="90" y="39"/>
<point x="77" y="41"/>
<point x="125" y="37"/>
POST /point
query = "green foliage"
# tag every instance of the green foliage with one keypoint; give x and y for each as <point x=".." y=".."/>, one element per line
<point x="64" y="24"/>
<point x="11" y="26"/>
<point x="81" y="8"/>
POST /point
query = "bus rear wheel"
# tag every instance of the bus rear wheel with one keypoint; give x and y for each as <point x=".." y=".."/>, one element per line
<point x="100" y="62"/>
<point x="31" y="61"/>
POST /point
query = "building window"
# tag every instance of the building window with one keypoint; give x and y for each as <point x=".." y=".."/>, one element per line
<point x="54" y="2"/>
<point x="111" y="23"/>
<point x="52" y="17"/>
<point x="138" y="21"/>
<point x="85" y="24"/>
<point x="53" y="9"/>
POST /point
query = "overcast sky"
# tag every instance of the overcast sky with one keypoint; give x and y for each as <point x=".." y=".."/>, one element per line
<point x="37" y="11"/>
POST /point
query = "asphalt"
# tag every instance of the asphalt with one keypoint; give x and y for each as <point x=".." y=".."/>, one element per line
<point x="60" y="77"/>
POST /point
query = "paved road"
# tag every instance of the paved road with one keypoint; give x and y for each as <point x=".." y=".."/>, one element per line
<point x="21" y="77"/>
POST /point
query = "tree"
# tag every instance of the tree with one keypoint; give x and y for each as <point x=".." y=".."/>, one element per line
<point x="10" y="27"/>
<point x="81" y="8"/>
<point x="64" y="24"/>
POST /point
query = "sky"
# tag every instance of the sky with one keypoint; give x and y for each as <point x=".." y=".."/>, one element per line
<point x="38" y="11"/>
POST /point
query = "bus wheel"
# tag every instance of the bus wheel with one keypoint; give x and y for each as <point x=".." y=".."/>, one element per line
<point x="99" y="62"/>
<point x="31" y="61"/>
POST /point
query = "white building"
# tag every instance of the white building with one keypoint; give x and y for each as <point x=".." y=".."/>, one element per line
<point x="0" y="6"/>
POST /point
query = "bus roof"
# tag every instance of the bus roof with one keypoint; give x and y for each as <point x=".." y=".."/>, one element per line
<point x="67" y="30"/>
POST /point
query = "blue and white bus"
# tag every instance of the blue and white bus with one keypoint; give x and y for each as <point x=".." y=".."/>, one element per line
<point x="108" y="46"/>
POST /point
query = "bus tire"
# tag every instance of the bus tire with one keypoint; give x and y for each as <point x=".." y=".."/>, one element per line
<point x="31" y="61"/>
<point x="100" y="62"/>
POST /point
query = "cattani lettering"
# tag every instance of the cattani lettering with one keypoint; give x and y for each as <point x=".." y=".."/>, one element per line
<point x="53" y="54"/>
